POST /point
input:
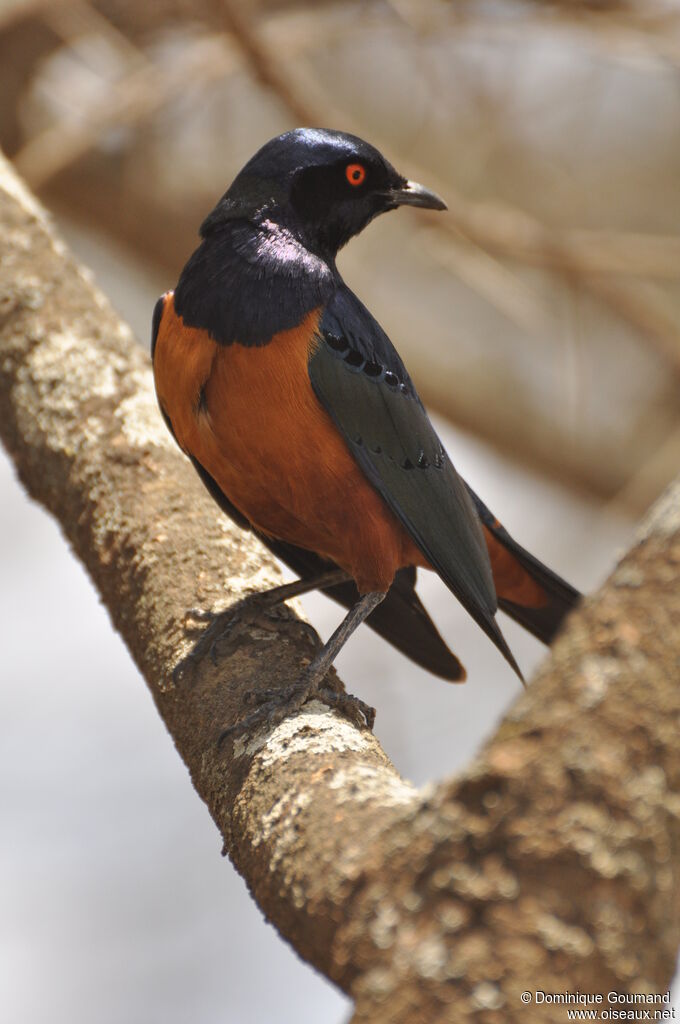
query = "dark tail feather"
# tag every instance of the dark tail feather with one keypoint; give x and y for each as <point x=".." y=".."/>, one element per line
<point x="542" y="620"/>
<point x="403" y="621"/>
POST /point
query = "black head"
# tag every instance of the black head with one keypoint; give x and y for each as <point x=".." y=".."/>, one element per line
<point x="323" y="186"/>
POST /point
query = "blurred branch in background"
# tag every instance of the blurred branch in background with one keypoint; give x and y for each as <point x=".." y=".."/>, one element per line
<point x="265" y="64"/>
<point x="546" y="862"/>
<point x="542" y="312"/>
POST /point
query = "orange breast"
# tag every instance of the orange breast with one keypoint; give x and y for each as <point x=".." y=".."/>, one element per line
<point x="250" y="417"/>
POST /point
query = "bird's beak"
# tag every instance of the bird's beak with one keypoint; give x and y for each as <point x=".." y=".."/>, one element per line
<point x="413" y="194"/>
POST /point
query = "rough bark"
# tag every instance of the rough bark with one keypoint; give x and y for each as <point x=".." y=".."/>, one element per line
<point x="552" y="863"/>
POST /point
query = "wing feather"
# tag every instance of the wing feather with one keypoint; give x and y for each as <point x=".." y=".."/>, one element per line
<point x="362" y="383"/>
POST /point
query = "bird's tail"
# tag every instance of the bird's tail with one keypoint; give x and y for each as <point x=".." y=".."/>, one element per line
<point x="528" y="591"/>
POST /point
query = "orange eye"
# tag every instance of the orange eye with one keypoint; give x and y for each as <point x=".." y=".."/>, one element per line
<point x="355" y="174"/>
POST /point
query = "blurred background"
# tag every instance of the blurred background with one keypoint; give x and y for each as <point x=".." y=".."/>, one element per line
<point x="538" y="318"/>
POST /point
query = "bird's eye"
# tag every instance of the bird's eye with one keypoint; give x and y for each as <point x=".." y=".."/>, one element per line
<point x="355" y="174"/>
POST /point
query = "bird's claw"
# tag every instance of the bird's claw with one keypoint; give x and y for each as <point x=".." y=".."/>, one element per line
<point x="277" y="704"/>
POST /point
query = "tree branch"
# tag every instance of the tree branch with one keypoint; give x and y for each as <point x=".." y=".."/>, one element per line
<point x="552" y="862"/>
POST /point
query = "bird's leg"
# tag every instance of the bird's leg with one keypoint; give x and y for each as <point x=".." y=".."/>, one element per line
<point x="275" y="595"/>
<point x="278" y="704"/>
<point x="222" y="624"/>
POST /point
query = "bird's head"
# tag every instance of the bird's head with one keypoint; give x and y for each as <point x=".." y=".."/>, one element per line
<point x="321" y="186"/>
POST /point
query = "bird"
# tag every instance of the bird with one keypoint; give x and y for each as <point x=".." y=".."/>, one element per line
<point x="302" y="421"/>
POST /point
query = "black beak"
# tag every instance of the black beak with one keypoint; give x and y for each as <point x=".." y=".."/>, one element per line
<point x="413" y="194"/>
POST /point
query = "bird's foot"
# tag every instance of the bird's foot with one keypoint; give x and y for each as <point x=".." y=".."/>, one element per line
<point x="275" y="705"/>
<point x="220" y="626"/>
<point x="223" y="627"/>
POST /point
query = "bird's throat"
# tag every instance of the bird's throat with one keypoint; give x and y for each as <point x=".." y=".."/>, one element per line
<point x="250" y="281"/>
